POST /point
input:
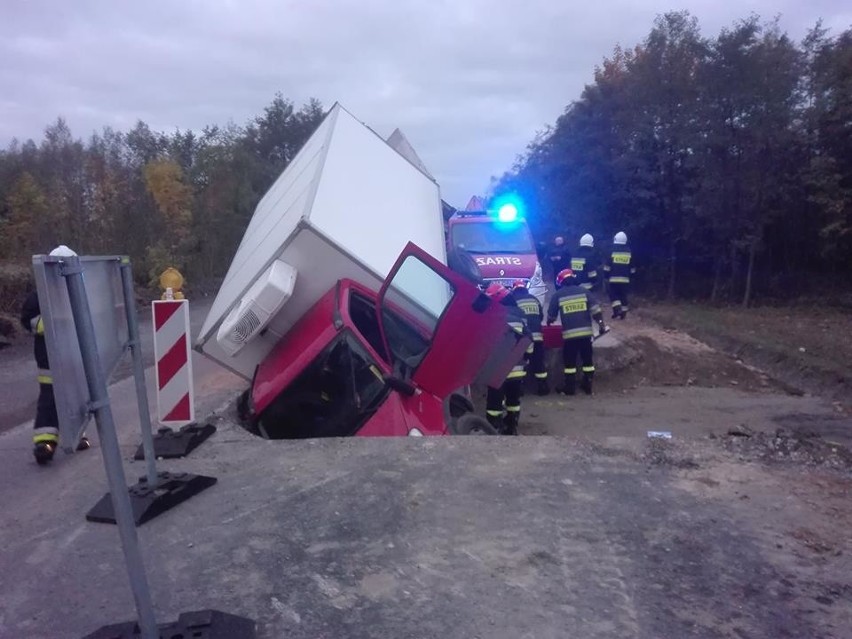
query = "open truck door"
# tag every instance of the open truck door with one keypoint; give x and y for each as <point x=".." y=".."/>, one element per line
<point x="440" y="331"/>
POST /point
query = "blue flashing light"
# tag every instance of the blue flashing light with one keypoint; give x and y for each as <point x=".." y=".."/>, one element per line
<point x="509" y="207"/>
<point x="507" y="213"/>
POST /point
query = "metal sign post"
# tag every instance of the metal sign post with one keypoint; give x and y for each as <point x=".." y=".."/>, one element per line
<point x="138" y="372"/>
<point x="100" y="407"/>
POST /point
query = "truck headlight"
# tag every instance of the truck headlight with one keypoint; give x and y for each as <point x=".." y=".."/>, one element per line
<point x="536" y="279"/>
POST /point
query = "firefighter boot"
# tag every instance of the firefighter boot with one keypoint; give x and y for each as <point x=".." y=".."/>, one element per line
<point x="497" y="422"/>
<point x="543" y="388"/>
<point x="586" y="384"/>
<point x="44" y="452"/>
<point x="511" y="422"/>
<point x="570" y="384"/>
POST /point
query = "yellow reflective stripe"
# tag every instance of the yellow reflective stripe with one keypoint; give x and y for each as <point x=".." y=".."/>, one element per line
<point x="619" y="280"/>
<point x="578" y="263"/>
<point x="579" y="296"/>
<point x="577" y="332"/>
<point x="541" y="375"/>
<point x="40" y="326"/>
<point x="529" y="308"/>
<point x="516" y="374"/>
<point x="44" y="379"/>
<point x="621" y="258"/>
<point x="570" y="371"/>
<point x="494" y="413"/>
<point x="588" y="369"/>
<point x="513" y="409"/>
<point x="45" y="437"/>
<point x="530" y="348"/>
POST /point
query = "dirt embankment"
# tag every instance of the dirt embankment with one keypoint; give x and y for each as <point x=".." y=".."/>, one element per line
<point x="805" y="348"/>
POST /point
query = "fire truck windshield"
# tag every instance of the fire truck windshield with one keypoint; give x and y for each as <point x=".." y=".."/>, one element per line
<point x="492" y="237"/>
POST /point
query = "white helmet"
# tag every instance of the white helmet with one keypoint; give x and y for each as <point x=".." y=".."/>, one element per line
<point x="62" y="251"/>
<point x="587" y="240"/>
<point x="620" y="238"/>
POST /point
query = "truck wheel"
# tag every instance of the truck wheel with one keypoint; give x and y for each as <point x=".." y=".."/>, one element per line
<point x="473" y="425"/>
<point x="460" y="405"/>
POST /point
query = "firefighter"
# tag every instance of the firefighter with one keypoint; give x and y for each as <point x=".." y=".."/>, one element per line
<point x="46" y="425"/>
<point x="584" y="263"/>
<point x="533" y="313"/>
<point x="503" y="405"/>
<point x="558" y="256"/>
<point x="577" y="308"/>
<point x="618" y="269"/>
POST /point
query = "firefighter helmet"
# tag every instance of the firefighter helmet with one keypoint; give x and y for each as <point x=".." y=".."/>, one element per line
<point x="587" y="240"/>
<point x="620" y="238"/>
<point x="519" y="284"/>
<point x="496" y="291"/>
<point x="566" y="276"/>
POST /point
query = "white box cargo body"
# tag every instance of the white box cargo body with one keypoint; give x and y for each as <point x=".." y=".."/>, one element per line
<point x="344" y="208"/>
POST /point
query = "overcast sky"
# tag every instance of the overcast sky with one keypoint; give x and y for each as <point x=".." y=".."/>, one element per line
<point x="469" y="82"/>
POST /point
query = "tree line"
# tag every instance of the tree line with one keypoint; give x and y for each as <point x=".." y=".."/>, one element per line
<point x="182" y="199"/>
<point x="728" y="160"/>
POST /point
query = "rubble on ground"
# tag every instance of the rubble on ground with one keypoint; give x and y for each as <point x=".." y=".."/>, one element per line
<point x="787" y="445"/>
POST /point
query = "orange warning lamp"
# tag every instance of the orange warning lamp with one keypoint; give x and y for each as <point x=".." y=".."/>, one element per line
<point x="171" y="281"/>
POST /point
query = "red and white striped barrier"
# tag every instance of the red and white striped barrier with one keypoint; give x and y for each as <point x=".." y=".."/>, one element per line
<point x="175" y="392"/>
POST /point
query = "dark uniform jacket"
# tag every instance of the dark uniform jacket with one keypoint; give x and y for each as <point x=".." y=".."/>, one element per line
<point x="533" y="313"/>
<point x="559" y="258"/>
<point x="619" y="265"/>
<point x="576" y="307"/>
<point x="585" y="266"/>
<point x="518" y="321"/>
<point x="32" y="322"/>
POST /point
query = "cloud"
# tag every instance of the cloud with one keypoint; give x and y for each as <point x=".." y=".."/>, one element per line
<point x="469" y="82"/>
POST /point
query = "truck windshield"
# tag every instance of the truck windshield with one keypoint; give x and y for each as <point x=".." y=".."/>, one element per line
<point x="332" y="397"/>
<point x="492" y="237"/>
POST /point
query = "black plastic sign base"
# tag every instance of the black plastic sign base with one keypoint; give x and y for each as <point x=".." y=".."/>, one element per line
<point x="149" y="501"/>
<point x="201" y="624"/>
<point x="170" y="444"/>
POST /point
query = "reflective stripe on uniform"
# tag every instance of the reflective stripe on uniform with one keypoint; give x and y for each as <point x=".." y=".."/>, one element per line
<point x="572" y="333"/>
<point x="494" y="413"/>
<point x="588" y="369"/>
<point x="541" y="375"/>
<point x="45" y="434"/>
<point x="44" y="376"/>
<point x="616" y="303"/>
<point x="516" y="374"/>
<point x="593" y="274"/>
<point x="513" y="409"/>
<point x="587" y="286"/>
<point x="530" y="349"/>
<point x="538" y="337"/>
<point x="619" y="280"/>
<point x="596" y="309"/>
<point x="570" y="371"/>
